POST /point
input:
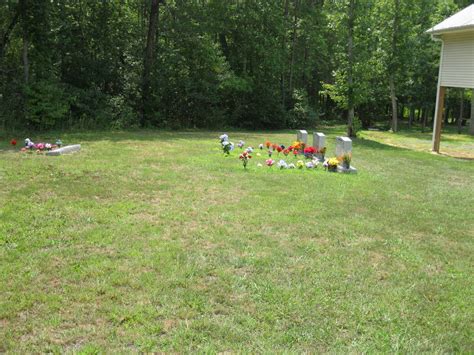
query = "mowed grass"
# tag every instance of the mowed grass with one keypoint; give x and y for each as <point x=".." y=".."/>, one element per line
<point x="154" y="241"/>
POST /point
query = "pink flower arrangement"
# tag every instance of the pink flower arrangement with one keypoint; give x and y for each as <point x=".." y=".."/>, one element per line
<point x="270" y="162"/>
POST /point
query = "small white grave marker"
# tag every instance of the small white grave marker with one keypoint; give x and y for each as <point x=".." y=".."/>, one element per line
<point x="302" y="136"/>
<point x="343" y="146"/>
<point x="65" y="150"/>
<point x="319" y="140"/>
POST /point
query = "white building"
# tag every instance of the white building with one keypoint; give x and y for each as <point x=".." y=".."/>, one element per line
<point x="456" y="67"/>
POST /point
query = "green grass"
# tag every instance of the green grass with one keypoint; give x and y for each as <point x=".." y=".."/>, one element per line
<point x="452" y="144"/>
<point x="152" y="240"/>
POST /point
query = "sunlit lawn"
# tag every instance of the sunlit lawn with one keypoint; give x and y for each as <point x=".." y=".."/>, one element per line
<point x="452" y="144"/>
<point x="153" y="240"/>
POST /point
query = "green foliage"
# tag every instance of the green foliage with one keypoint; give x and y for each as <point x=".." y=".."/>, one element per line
<point x="302" y="115"/>
<point x="46" y="104"/>
<point x="252" y="64"/>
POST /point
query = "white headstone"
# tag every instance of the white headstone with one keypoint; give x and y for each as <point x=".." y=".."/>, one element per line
<point x="319" y="140"/>
<point x="343" y="146"/>
<point x="65" y="150"/>
<point x="302" y="136"/>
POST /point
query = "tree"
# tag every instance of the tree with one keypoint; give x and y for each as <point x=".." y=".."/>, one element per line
<point x="148" y="59"/>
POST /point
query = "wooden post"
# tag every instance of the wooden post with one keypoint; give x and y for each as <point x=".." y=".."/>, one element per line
<point x="438" y="119"/>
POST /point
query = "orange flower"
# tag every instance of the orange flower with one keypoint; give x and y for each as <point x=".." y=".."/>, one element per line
<point x="268" y="144"/>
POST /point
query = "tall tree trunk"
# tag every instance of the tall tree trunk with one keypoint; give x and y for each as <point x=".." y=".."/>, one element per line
<point x="6" y="36"/>
<point x="471" y="123"/>
<point x="26" y="63"/>
<point x="283" y="51"/>
<point x="148" y="59"/>
<point x="393" y="98"/>
<point x="412" y="115"/>
<point x="350" y="79"/>
<point x="393" y="66"/>
<point x="461" y="111"/>
<point x="293" y="47"/>
<point x="425" y="118"/>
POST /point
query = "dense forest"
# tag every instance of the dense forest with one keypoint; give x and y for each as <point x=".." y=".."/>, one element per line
<point x="220" y="63"/>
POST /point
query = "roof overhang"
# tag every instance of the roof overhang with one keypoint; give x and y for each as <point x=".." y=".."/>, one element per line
<point x="434" y="32"/>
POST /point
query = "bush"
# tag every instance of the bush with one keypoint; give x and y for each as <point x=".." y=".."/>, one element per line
<point x="302" y="115"/>
<point x="46" y="104"/>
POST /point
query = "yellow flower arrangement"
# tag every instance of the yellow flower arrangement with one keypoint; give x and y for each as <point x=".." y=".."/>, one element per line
<point x="333" y="163"/>
<point x="296" y="145"/>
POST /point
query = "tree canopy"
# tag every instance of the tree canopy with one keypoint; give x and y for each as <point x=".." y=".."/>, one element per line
<point x="212" y="63"/>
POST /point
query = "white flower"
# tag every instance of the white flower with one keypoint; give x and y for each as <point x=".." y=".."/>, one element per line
<point x="249" y="149"/>
<point x="310" y="165"/>
<point x="291" y="166"/>
<point x="282" y="164"/>
<point x="259" y="165"/>
<point x="259" y="155"/>
<point x="224" y="143"/>
<point x="224" y="137"/>
<point x="260" y="146"/>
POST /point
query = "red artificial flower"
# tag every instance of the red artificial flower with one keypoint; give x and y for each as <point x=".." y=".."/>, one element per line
<point x="290" y="148"/>
<point x="13" y="142"/>
<point x="286" y="152"/>
<point x="274" y="146"/>
<point x="295" y="152"/>
<point x="279" y="149"/>
<point x="309" y="150"/>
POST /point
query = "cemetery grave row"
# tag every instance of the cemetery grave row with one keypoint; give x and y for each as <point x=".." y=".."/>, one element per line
<point x="314" y="155"/>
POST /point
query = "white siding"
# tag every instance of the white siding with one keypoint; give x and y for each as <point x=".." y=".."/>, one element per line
<point x="457" y="68"/>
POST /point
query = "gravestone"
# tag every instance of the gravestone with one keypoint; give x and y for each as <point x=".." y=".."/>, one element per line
<point x="65" y="150"/>
<point x="343" y="147"/>
<point x="302" y="136"/>
<point x="319" y="142"/>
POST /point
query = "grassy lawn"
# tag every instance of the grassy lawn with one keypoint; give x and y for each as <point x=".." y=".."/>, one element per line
<point x="452" y="144"/>
<point x="154" y="240"/>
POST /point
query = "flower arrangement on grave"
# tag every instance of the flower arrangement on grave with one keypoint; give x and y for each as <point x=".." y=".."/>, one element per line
<point x="322" y="151"/>
<point x="295" y="153"/>
<point x="309" y="152"/>
<point x="279" y="149"/>
<point x="227" y="147"/>
<point x="268" y="144"/>
<point x="13" y="142"/>
<point x="346" y="160"/>
<point x="300" y="164"/>
<point x="286" y="152"/>
<point x="245" y="157"/>
<point x="270" y="162"/>
<point x="270" y="152"/>
<point x="249" y="149"/>
<point x="223" y="137"/>
<point x="331" y="164"/>
<point x="59" y="143"/>
<point x="282" y="164"/>
<point x="291" y="166"/>
<point x="38" y="147"/>
<point x="260" y="146"/>
<point x="241" y="144"/>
